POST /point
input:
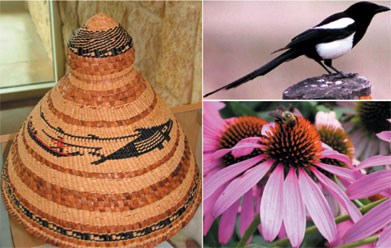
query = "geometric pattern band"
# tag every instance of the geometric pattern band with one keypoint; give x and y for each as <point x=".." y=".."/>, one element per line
<point x="98" y="237"/>
<point x="100" y="44"/>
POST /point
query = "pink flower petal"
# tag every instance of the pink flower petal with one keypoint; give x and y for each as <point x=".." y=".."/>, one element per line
<point x="213" y="129"/>
<point x="387" y="193"/>
<point x="359" y="140"/>
<point x="372" y="148"/>
<point x="338" y="193"/>
<point x="240" y="186"/>
<point x="297" y="112"/>
<point x="294" y="211"/>
<point x="207" y="222"/>
<point x="326" y="147"/>
<point x="266" y="127"/>
<point x="242" y="148"/>
<point x="282" y="233"/>
<point x="227" y="223"/>
<point x="373" y="221"/>
<point x="336" y="155"/>
<point x="213" y="126"/>
<point x="370" y="185"/>
<point x="258" y="197"/>
<point x="209" y="202"/>
<point x="247" y="213"/>
<point x="211" y="184"/>
<point x="347" y="174"/>
<point x="348" y="126"/>
<point x="250" y="140"/>
<point x="208" y="207"/>
<point x="327" y="119"/>
<point x="218" y="154"/>
<point x="210" y="144"/>
<point x="317" y="206"/>
<point x="374" y="161"/>
<point x="271" y="204"/>
<point x="331" y="200"/>
<point x="212" y="115"/>
<point x="245" y="147"/>
<point x="342" y="228"/>
<point x="210" y="163"/>
<point x="384" y="148"/>
<point x="384" y="240"/>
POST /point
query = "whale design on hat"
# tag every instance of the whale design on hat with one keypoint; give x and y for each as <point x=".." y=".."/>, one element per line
<point x="144" y="141"/>
<point x="147" y="140"/>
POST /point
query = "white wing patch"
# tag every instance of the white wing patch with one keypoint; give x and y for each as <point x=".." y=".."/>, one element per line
<point x="335" y="49"/>
<point x="338" y="24"/>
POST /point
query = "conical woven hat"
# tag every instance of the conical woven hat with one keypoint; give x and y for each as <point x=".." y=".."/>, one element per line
<point x="101" y="161"/>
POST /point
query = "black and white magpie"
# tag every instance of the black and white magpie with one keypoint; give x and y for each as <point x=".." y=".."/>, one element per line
<point x="330" y="39"/>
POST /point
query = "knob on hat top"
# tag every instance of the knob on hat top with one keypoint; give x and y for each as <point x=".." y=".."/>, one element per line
<point x="100" y="37"/>
<point x="101" y="49"/>
<point x="101" y="161"/>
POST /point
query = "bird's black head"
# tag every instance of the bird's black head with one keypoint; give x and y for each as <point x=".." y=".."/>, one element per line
<point x="362" y="14"/>
<point x="365" y="10"/>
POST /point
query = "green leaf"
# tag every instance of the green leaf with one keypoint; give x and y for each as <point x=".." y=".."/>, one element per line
<point x="241" y="109"/>
<point x="322" y="108"/>
<point x="211" y="239"/>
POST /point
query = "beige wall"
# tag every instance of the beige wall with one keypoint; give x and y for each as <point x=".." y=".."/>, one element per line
<point x="167" y="38"/>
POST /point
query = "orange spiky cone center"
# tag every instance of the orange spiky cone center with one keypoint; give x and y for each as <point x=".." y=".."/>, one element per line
<point x="298" y="145"/>
<point x="240" y="128"/>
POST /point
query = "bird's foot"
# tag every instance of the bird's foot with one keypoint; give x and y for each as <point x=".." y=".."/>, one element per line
<point x="341" y="75"/>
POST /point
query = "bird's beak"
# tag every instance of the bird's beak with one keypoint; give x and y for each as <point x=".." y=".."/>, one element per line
<point x="382" y="9"/>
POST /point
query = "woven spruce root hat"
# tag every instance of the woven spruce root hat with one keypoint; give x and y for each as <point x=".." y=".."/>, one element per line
<point x="101" y="160"/>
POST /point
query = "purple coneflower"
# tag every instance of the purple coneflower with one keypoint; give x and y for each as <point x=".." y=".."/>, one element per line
<point x="222" y="148"/>
<point x="289" y="170"/>
<point x="377" y="183"/>
<point x="377" y="219"/>
<point x="332" y="134"/>
<point x="371" y="118"/>
<point x="385" y="135"/>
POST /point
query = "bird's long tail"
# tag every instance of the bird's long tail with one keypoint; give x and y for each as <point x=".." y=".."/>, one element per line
<point x="286" y="56"/>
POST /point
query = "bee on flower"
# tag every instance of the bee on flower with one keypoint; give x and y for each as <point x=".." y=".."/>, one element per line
<point x="283" y="164"/>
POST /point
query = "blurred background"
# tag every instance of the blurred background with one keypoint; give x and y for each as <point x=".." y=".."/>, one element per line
<point x="240" y="37"/>
<point x="26" y="54"/>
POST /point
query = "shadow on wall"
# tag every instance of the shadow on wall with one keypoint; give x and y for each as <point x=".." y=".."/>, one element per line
<point x="167" y="38"/>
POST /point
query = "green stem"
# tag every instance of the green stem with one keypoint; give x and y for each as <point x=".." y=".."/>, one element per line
<point x="250" y="230"/>
<point x="358" y="203"/>
<point x="371" y="205"/>
<point x="368" y="240"/>
<point x="312" y="229"/>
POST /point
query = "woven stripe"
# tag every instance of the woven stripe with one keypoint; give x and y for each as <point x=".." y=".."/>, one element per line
<point x="100" y="44"/>
<point x="122" y="95"/>
<point x="98" y="202"/>
<point x="70" y="120"/>
<point x="102" y="175"/>
<point x="92" y="70"/>
<point x="16" y="204"/>
<point x="131" y="219"/>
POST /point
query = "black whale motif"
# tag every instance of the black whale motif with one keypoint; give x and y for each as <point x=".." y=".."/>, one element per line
<point x="147" y="140"/>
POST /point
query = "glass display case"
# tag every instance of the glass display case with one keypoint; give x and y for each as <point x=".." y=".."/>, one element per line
<point x="32" y="56"/>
